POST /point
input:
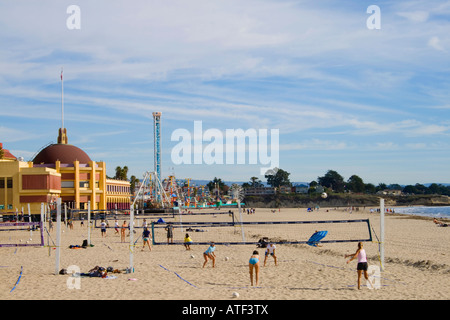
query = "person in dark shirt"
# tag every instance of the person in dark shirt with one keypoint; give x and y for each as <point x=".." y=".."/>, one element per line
<point x="146" y="236"/>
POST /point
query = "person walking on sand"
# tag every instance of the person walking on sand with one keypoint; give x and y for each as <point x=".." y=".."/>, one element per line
<point x="122" y="231"/>
<point x="103" y="228"/>
<point x="253" y="265"/>
<point x="169" y="230"/>
<point x="270" y="250"/>
<point x="362" y="263"/>
<point x="146" y="236"/>
<point x="209" y="253"/>
<point x="116" y="226"/>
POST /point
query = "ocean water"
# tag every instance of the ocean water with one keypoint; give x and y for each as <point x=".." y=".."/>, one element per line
<point x="435" y="212"/>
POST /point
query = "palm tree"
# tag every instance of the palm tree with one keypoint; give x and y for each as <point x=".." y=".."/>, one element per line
<point x="124" y="173"/>
<point x="121" y="173"/>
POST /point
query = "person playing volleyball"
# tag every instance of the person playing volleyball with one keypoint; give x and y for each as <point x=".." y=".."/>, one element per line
<point x="362" y="263"/>
<point x="209" y="253"/>
<point x="270" y="250"/>
<point x="253" y="265"/>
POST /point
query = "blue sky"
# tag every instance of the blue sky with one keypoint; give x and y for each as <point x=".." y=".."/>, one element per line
<point x="374" y="103"/>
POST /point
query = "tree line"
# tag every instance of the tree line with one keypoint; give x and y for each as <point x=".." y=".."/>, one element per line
<point x="332" y="181"/>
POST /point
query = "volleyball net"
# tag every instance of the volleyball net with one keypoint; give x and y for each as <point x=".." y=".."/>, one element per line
<point x="143" y="220"/>
<point x="277" y="232"/>
<point x="21" y="234"/>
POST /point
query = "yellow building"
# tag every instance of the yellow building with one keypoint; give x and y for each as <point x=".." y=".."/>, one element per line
<point x="59" y="170"/>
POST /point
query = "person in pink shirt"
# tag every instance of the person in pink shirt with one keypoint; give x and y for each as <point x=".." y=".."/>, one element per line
<point x="362" y="263"/>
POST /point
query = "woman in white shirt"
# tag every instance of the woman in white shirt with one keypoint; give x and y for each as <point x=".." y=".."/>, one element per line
<point x="270" y="250"/>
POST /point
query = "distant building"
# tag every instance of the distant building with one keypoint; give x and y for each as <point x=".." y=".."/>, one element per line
<point x="300" y="189"/>
<point x="260" y="191"/>
<point x="390" y="192"/>
<point x="284" y="189"/>
<point x="61" y="171"/>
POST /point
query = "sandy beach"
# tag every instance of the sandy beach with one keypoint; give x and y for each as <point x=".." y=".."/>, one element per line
<point x="417" y="266"/>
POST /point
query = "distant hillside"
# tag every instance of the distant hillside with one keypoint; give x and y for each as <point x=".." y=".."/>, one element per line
<point x="229" y="183"/>
<point x="341" y="200"/>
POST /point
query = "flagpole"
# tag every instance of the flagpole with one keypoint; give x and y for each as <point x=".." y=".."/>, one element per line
<point x="62" y="100"/>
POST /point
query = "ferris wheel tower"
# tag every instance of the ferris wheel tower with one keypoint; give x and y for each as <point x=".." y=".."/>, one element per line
<point x="157" y="147"/>
<point x="157" y="143"/>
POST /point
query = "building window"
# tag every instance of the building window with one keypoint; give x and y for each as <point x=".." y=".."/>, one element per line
<point x="67" y="184"/>
<point x="9" y="183"/>
<point x="84" y="184"/>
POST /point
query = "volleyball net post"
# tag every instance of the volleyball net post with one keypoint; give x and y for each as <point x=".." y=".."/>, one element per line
<point x="58" y="235"/>
<point x="131" y="225"/>
<point x="382" y="233"/>
<point x="240" y="217"/>
<point x="89" y="223"/>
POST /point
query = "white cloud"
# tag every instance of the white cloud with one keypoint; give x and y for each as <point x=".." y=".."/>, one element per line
<point x="12" y="135"/>
<point x="415" y="16"/>
<point x="386" y="146"/>
<point x="435" y="43"/>
<point x="315" y="144"/>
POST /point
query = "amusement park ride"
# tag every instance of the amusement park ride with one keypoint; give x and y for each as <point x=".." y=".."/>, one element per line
<point x="155" y="192"/>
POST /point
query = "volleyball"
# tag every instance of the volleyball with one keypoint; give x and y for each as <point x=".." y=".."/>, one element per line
<point x="226" y="258"/>
<point x="235" y="295"/>
<point x="324" y="195"/>
<point x="192" y="256"/>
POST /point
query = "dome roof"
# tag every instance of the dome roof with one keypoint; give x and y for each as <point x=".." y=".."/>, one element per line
<point x="65" y="153"/>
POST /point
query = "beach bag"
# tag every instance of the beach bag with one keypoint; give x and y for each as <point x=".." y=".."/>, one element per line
<point x="262" y="243"/>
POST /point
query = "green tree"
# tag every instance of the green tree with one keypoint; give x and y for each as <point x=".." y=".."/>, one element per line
<point x="312" y="187"/>
<point x="278" y="178"/>
<point x="421" y="189"/>
<point x="356" y="184"/>
<point x="434" y="188"/>
<point x="332" y="180"/>
<point x="121" y="173"/>
<point x="255" y="182"/>
<point x="381" y="187"/>
<point x="246" y="185"/>
<point x="216" y="183"/>
<point x="394" y="186"/>
<point x="370" y="188"/>
<point x="133" y="181"/>
<point x="409" y="189"/>
<point x="313" y="184"/>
